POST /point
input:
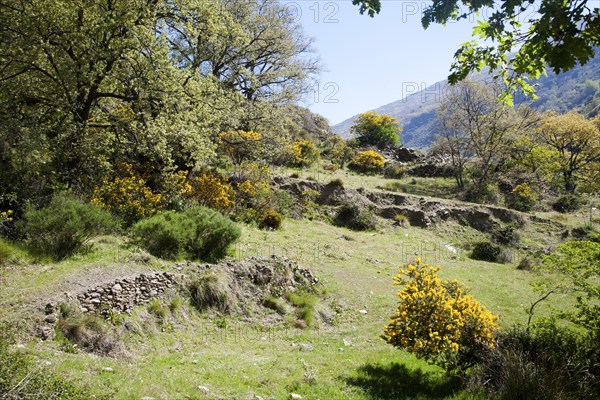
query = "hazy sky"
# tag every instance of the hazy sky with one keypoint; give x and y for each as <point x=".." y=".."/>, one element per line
<point x="370" y="62"/>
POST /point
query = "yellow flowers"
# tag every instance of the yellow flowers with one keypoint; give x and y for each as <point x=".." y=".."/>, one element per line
<point x="368" y="161"/>
<point x="128" y="196"/>
<point x="5" y="216"/>
<point x="436" y="320"/>
<point x="212" y="191"/>
<point x="302" y="153"/>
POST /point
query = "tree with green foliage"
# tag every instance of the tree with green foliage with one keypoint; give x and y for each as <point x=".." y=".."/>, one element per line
<point x="518" y="38"/>
<point x="579" y="263"/>
<point x="377" y="130"/>
<point x="577" y="142"/>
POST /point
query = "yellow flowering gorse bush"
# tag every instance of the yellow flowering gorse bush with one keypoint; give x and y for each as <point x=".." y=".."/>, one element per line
<point x="302" y="152"/>
<point x="127" y="196"/>
<point x="368" y="161"/>
<point x="212" y="191"/>
<point x="437" y="320"/>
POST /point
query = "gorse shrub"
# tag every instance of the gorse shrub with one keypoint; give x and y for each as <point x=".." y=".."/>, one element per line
<point x="522" y="198"/>
<point x="367" y="162"/>
<point x="127" y="195"/>
<point x="212" y="191"/>
<point x="357" y="218"/>
<point x="486" y="251"/>
<point x="270" y="219"/>
<point x="438" y="321"/>
<point x="197" y="233"/>
<point x="302" y="153"/>
<point x="63" y="226"/>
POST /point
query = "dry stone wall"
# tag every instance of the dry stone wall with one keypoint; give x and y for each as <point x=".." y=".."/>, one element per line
<point x="123" y="295"/>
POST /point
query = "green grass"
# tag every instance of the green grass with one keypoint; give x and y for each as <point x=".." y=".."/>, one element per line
<point x="428" y="187"/>
<point x="233" y="357"/>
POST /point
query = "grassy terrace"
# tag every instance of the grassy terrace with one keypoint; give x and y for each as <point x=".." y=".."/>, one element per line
<point x="233" y="358"/>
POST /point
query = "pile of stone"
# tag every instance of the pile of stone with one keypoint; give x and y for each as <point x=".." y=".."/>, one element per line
<point x="123" y="295"/>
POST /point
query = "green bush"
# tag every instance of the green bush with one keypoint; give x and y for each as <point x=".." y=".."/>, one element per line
<point x="197" y="232"/>
<point x="270" y="219"/>
<point x="357" y="218"/>
<point x="506" y="235"/>
<point x="567" y="203"/>
<point x="63" y="226"/>
<point x="486" y="251"/>
<point x="337" y="182"/>
<point x="166" y="235"/>
<point x="394" y="170"/>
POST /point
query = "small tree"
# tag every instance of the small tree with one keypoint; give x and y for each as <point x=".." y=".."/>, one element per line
<point x="377" y="130"/>
<point x="577" y="141"/>
<point x="438" y="321"/>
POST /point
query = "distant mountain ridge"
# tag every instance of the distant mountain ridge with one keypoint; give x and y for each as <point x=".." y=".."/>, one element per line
<point x="416" y="112"/>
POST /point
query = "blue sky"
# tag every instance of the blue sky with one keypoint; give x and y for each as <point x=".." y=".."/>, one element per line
<point x="370" y="62"/>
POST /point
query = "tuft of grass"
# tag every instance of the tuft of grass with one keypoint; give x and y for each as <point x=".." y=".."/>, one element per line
<point x="276" y="304"/>
<point x="212" y="291"/>
<point x="304" y="303"/>
<point x="88" y="332"/>
<point x="158" y="310"/>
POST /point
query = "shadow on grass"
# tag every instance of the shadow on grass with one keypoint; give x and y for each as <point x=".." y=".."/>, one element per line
<point x="396" y="381"/>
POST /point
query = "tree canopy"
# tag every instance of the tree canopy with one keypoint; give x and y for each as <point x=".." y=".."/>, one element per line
<point x="377" y="130"/>
<point x="518" y="38"/>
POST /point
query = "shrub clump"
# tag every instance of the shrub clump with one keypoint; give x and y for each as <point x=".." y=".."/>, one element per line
<point x="486" y="251"/>
<point x="522" y="198"/>
<point x="270" y="219"/>
<point x="546" y="362"/>
<point x="394" y="170"/>
<point x="437" y="321"/>
<point x="367" y="162"/>
<point x="197" y="233"/>
<point x="63" y="226"/>
<point x="567" y="203"/>
<point x="357" y="218"/>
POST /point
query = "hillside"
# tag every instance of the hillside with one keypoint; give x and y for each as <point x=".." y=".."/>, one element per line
<point x="571" y="90"/>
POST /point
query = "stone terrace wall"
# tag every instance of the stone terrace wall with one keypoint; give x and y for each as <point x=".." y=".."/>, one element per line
<point x="124" y="294"/>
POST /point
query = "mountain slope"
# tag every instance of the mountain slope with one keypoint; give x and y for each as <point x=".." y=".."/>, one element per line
<point x="571" y="90"/>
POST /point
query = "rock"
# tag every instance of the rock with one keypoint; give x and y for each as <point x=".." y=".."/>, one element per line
<point x="50" y="309"/>
<point x="45" y="332"/>
<point x="306" y="347"/>
<point x="147" y="398"/>
<point x="50" y="319"/>
<point x="203" y="389"/>
<point x="347" y="342"/>
<point x="364" y="312"/>
<point x="117" y="288"/>
<point x="295" y="396"/>
<point x="107" y="369"/>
